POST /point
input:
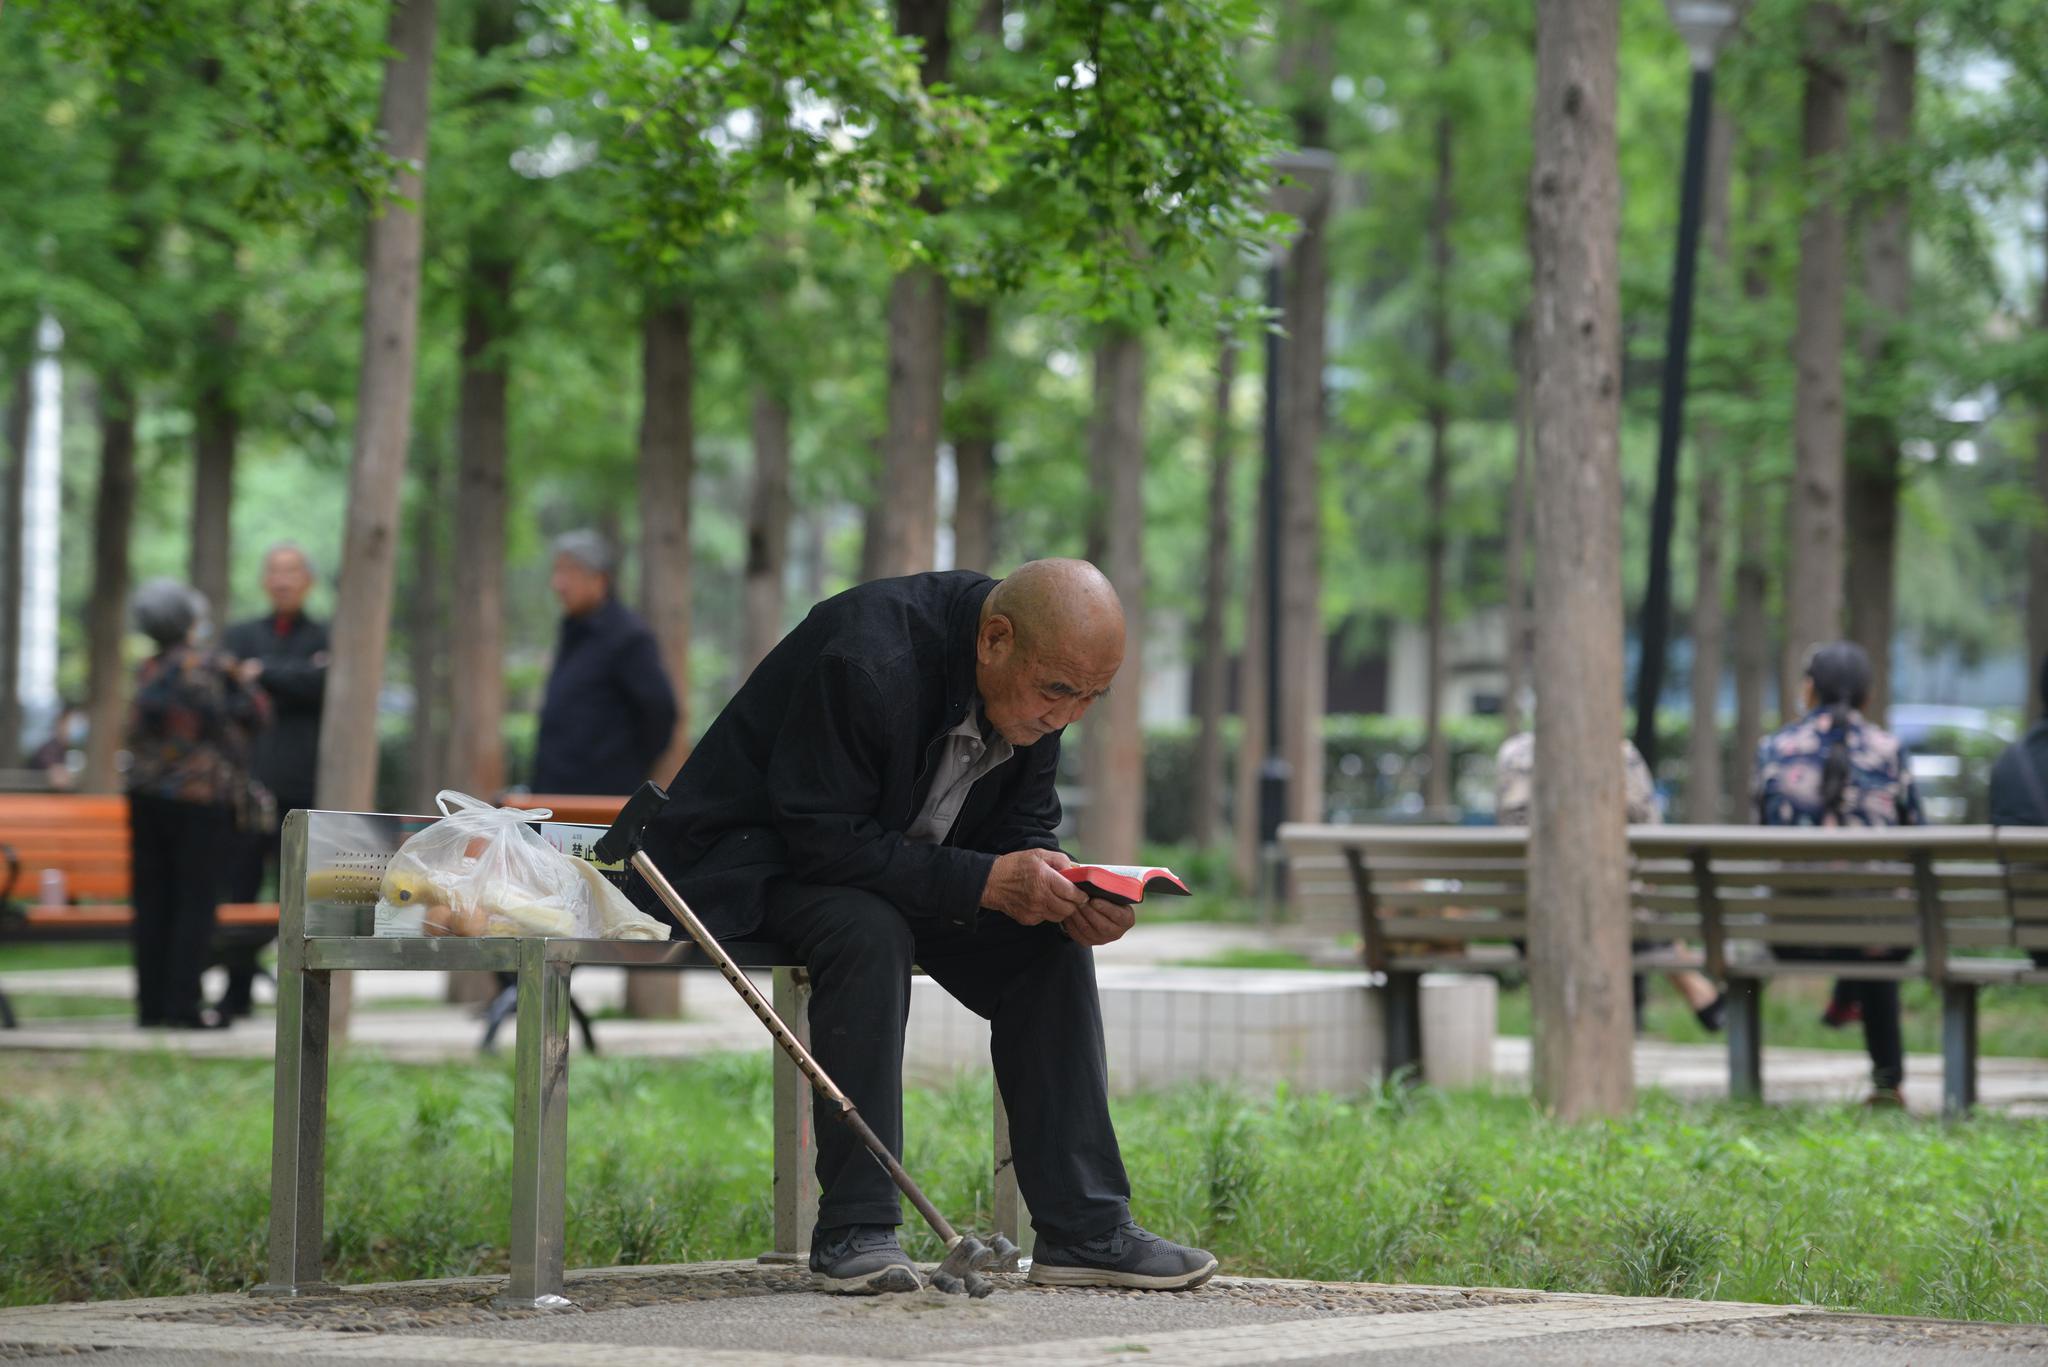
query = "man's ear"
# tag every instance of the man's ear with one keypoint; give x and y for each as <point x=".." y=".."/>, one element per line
<point x="997" y="639"/>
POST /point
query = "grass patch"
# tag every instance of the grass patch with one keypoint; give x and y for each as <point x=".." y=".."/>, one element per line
<point x="1250" y="958"/>
<point x="45" y="1006"/>
<point x="147" y="1176"/>
<point x="64" y="954"/>
<point x="2012" y="1021"/>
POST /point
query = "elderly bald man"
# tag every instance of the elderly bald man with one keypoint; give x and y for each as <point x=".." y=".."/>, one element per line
<point x="880" y="793"/>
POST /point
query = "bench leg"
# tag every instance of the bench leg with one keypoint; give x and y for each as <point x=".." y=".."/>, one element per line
<point x="1402" y="1027"/>
<point x="540" y="1131"/>
<point x="7" y="1021"/>
<point x="1012" y="1218"/>
<point x="298" y="1143"/>
<point x="1746" y="1039"/>
<point x="796" y="1143"/>
<point x="1958" y="1048"/>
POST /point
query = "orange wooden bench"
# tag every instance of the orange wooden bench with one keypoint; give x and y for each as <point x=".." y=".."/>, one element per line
<point x="85" y="839"/>
<point x="576" y="809"/>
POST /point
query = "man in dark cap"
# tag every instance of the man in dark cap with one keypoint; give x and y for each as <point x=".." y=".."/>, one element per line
<point x="880" y="793"/>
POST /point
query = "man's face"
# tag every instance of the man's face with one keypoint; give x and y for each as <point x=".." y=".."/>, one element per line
<point x="286" y="581"/>
<point x="578" y="587"/>
<point x="1027" y="694"/>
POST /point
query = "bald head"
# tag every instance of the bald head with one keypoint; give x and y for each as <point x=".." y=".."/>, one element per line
<point x="1051" y="639"/>
<point x="1060" y="600"/>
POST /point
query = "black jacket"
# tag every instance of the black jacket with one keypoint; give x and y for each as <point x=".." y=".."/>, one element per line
<point x="609" y="711"/>
<point x="823" y="758"/>
<point x="2013" y="800"/>
<point x="285" y="754"/>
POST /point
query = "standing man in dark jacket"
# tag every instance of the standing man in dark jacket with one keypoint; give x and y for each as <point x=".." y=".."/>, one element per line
<point x="2019" y="782"/>
<point x="283" y="652"/>
<point x="609" y="711"/>
<point x="880" y="793"/>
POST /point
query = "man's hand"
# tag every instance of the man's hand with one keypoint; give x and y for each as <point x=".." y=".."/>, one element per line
<point x="1098" y="922"/>
<point x="1026" y="886"/>
<point x="249" y="671"/>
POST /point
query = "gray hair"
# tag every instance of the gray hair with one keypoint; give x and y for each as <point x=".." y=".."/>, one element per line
<point x="589" y="550"/>
<point x="293" y="548"/>
<point x="166" y="610"/>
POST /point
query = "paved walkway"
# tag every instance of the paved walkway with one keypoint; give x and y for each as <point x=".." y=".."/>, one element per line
<point x="745" y="1315"/>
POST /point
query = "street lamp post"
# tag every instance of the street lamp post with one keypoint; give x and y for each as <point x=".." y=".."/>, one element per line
<point x="1302" y="178"/>
<point x="1703" y="24"/>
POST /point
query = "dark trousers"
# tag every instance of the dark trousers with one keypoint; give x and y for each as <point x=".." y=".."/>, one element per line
<point x="255" y="855"/>
<point x="1034" y="986"/>
<point x="1882" y="1020"/>
<point x="178" y="851"/>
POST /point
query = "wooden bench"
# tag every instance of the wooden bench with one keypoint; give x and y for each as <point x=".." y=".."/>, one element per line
<point x="84" y="838"/>
<point x="317" y="938"/>
<point x="1455" y="900"/>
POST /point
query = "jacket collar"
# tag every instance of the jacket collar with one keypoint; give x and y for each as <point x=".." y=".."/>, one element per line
<point x="963" y="625"/>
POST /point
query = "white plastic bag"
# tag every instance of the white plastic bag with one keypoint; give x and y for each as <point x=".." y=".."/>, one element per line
<point x="485" y="871"/>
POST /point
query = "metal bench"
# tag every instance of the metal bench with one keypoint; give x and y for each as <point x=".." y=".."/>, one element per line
<point x="1455" y="900"/>
<point x="318" y="938"/>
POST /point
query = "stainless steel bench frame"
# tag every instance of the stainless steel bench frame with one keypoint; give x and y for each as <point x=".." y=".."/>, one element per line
<point x="540" y="1107"/>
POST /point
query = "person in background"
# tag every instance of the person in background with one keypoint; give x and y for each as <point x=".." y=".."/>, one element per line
<point x="285" y="652"/>
<point x="1514" y="769"/>
<point x="188" y="741"/>
<point x="1833" y="768"/>
<point x="2019" y="792"/>
<point x="609" y="710"/>
<point x="52" y="759"/>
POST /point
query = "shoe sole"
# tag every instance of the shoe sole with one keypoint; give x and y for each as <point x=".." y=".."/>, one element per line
<point x="1041" y="1275"/>
<point x="893" y="1278"/>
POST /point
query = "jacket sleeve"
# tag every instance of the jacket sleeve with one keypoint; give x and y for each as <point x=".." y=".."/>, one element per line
<point x="297" y="685"/>
<point x="824" y="787"/>
<point x="1030" y="824"/>
<point x="646" y="683"/>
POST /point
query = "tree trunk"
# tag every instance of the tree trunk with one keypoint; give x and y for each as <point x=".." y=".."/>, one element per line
<point x="1578" y="847"/>
<point x="767" y="529"/>
<point x="1873" y="464"/>
<point x="1303" y="648"/>
<point x="476" y="721"/>
<point x="2037" y="540"/>
<point x="974" y="445"/>
<point x="384" y="390"/>
<point x="216" y="429"/>
<point x="113" y="516"/>
<point x="1438" y="415"/>
<point x="1813" y="582"/>
<point x="1515" y="573"/>
<point x="426" y="630"/>
<point x="1114" y="737"/>
<point x="906" y="520"/>
<point x="1211" y="659"/>
<point x="1752" y="637"/>
<point x="13" y="504"/>
<point x="1709" y="612"/>
<point x="1251" y="715"/>
<point x="668" y="463"/>
<point x="905" y="527"/>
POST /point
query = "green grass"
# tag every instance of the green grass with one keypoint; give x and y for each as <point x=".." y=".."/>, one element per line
<point x="64" y="954"/>
<point x="143" y="1176"/>
<point x="2012" y="1021"/>
<point x="43" y="1006"/>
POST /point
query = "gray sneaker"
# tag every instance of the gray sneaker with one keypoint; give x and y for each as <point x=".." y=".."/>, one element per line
<point x="1128" y="1255"/>
<point x="861" y="1260"/>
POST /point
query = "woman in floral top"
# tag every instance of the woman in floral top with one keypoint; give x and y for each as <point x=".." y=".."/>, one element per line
<point x="1833" y="768"/>
<point x="188" y="745"/>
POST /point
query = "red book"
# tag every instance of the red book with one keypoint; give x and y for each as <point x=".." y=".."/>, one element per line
<point x="1125" y="884"/>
